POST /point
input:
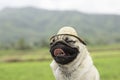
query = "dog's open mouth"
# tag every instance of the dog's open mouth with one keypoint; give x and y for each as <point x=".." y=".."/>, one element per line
<point x="63" y="54"/>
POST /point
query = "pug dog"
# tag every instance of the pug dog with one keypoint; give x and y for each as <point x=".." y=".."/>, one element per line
<point x="71" y="59"/>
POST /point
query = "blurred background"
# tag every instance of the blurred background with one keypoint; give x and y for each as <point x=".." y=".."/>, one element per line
<point x="27" y="25"/>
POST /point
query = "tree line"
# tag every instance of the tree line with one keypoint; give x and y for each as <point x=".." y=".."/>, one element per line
<point x="22" y="44"/>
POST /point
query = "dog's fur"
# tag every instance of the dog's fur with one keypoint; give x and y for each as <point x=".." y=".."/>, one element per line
<point x="80" y="65"/>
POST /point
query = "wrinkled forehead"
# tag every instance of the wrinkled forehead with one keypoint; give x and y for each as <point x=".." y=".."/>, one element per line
<point x="64" y="36"/>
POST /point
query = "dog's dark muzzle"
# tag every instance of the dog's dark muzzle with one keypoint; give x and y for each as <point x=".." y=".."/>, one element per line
<point x="62" y="52"/>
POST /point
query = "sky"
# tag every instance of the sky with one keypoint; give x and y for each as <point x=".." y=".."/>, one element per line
<point x="88" y="6"/>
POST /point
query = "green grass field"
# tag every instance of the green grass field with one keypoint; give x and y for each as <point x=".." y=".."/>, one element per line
<point x="107" y="62"/>
<point x="25" y="71"/>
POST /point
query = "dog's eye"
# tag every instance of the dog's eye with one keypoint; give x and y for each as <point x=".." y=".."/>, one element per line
<point x="66" y="39"/>
<point x="69" y="41"/>
<point x="53" y="40"/>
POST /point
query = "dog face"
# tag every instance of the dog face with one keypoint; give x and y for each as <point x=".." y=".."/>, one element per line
<point x="64" y="48"/>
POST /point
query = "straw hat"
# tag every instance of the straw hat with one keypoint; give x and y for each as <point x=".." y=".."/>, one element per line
<point x="67" y="30"/>
<point x="70" y="31"/>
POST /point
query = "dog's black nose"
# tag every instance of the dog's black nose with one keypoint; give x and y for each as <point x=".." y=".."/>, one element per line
<point x="58" y="43"/>
<point x="61" y="43"/>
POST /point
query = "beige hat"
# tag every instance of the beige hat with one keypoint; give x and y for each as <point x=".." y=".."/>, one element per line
<point x="67" y="30"/>
<point x="70" y="31"/>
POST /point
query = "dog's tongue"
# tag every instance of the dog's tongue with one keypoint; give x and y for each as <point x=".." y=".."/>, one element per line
<point x="59" y="52"/>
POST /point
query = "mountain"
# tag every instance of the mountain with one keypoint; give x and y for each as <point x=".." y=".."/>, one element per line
<point x="37" y="24"/>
